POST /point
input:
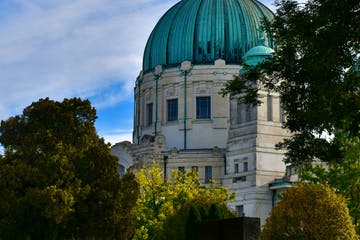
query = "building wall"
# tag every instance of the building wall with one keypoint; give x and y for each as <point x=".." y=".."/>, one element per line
<point x="237" y="143"/>
<point x="201" y="81"/>
<point x="252" y="140"/>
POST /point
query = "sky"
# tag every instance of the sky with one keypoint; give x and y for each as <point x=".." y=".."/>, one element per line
<point x="90" y="49"/>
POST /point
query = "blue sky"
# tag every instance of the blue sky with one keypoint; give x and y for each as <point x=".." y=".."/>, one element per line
<point x="76" y="48"/>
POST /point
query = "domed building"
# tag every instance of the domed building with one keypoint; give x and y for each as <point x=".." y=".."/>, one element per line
<point x="183" y="122"/>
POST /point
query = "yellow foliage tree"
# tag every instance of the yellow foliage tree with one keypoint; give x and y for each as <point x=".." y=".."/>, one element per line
<point x="310" y="212"/>
<point x="161" y="200"/>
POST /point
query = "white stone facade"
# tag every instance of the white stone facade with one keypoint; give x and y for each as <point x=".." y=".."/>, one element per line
<point x="230" y="143"/>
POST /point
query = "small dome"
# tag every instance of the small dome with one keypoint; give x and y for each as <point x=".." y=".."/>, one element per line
<point x="257" y="55"/>
<point x="202" y="31"/>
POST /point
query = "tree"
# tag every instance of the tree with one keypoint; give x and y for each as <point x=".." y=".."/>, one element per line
<point x="312" y="69"/>
<point x="315" y="70"/>
<point x="343" y="176"/>
<point x="163" y="207"/>
<point x="311" y="212"/>
<point x="184" y="224"/>
<point x="58" y="179"/>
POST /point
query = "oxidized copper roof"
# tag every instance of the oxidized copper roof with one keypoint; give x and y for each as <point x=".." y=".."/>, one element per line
<point x="202" y="31"/>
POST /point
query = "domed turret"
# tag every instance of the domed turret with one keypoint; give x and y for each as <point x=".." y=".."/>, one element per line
<point x="202" y="31"/>
<point x="257" y="55"/>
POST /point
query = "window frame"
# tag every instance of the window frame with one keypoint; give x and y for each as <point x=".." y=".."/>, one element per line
<point x="208" y="174"/>
<point x="149" y="114"/>
<point x="240" y="211"/>
<point x="195" y="168"/>
<point x="236" y="168"/>
<point x="172" y="107"/>
<point x="203" y="107"/>
<point x="245" y="167"/>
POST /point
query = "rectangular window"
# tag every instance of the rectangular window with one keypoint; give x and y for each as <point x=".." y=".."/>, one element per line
<point x="245" y="167"/>
<point x="240" y="211"/>
<point x="149" y="114"/>
<point x="181" y="169"/>
<point x="172" y="110"/>
<point x="208" y="174"/>
<point x="203" y="108"/>
<point x="269" y="108"/>
<point x="236" y="168"/>
<point x="195" y="168"/>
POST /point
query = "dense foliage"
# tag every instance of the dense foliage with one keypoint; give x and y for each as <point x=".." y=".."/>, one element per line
<point x="315" y="71"/>
<point x="58" y="179"/>
<point x="309" y="212"/>
<point x="165" y="209"/>
<point x="343" y="176"/>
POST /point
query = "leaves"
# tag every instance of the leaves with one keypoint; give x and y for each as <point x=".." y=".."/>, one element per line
<point x="317" y="46"/>
<point x="58" y="179"/>
<point x="162" y="207"/>
<point x="342" y="175"/>
<point x="311" y="212"/>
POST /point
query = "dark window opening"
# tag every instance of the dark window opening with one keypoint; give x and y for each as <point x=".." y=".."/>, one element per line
<point x="245" y="167"/>
<point x="149" y="113"/>
<point x="240" y="211"/>
<point x="203" y="108"/>
<point x="195" y="168"/>
<point x="208" y="174"/>
<point x="172" y="110"/>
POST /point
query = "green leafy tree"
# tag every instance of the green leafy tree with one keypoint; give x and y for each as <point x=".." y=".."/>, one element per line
<point x="163" y="207"/>
<point x="184" y="224"/>
<point x="58" y="179"/>
<point x="313" y="69"/>
<point x="310" y="212"/>
<point x="193" y="220"/>
<point x="343" y="176"/>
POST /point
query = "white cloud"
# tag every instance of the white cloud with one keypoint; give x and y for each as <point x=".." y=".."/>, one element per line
<point x="66" y="48"/>
<point x="116" y="136"/>
<point x="69" y="48"/>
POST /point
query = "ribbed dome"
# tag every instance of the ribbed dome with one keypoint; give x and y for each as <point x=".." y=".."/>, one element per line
<point x="202" y="31"/>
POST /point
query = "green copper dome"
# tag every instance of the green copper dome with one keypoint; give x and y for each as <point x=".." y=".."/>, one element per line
<point x="202" y="31"/>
